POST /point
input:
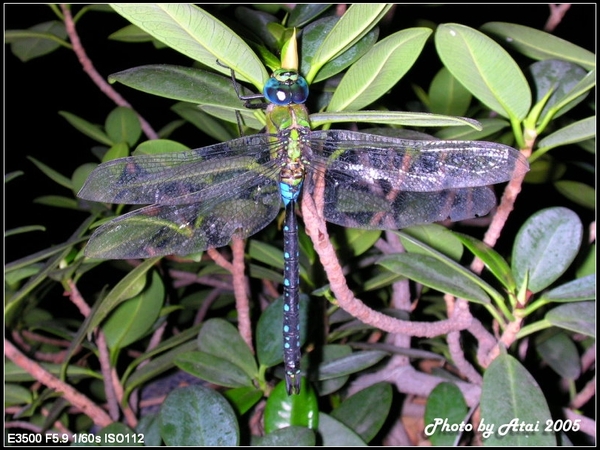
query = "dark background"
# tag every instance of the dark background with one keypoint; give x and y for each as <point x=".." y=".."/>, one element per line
<point x="35" y="91"/>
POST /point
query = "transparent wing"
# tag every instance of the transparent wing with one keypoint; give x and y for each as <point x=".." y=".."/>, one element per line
<point x="175" y="178"/>
<point x="378" y="182"/>
<point x="242" y="210"/>
<point x="414" y="165"/>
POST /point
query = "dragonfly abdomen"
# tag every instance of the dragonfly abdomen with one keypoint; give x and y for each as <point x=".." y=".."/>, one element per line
<point x="291" y="297"/>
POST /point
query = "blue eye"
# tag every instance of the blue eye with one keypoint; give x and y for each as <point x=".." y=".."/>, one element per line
<point x="285" y="87"/>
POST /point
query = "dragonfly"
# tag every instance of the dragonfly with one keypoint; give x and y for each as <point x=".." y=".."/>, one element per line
<point x="203" y="198"/>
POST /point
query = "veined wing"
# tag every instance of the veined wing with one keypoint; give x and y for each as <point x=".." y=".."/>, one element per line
<point x="180" y="177"/>
<point x="240" y="210"/>
<point x="412" y="165"/>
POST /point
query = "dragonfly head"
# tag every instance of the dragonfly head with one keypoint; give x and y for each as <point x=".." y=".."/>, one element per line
<point x="286" y="86"/>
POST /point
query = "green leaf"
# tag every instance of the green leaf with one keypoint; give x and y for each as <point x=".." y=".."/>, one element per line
<point x="573" y="291"/>
<point x="560" y="353"/>
<point x="132" y="319"/>
<point x="39" y="40"/>
<point x="214" y="369"/>
<point x="283" y="410"/>
<point x="358" y="20"/>
<point x="485" y="69"/>
<point x="123" y="125"/>
<point x="304" y="13"/>
<point x="195" y="33"/>
<point x="15" y="394"/>
<point x="87" y="128"/>
<point x="510" y="395"/>
<point x="57" y="201"/>
<point x="539" y="45"/>
<point x="545" y="247"/>
<point x="435" y="236"/>
<point x="335" y="434"/>
<point x="447" y="95"/>
<point x="565" y="81"/>
<point x="579" y="193"/>
<point x="350" y="364"/>
<point x="220" y="338"/>
<point x="189" y="85"/>
<point x="131" y="34"/>
<point x="579" y="317"/>
<point x="357" y="241"/>
<point x="157" y="366"/>
<point x="243" y="398"/>
<point x="15" y="374"/>
<point x="159" y="146"/>
<point x="464" y="133"/>
<point x="576" y="132"/>
<point x="269" y="331"/>
<point x="379" y="70"/>
<point x="266" y="253"/>
<point x="198" y="416"/>
<point x="366" y="411"/>
<point x="292" y="436"/>
<point x="492" y="260"/>
<point x="119" y="150"/>
<point x="408" y="119"/>
<point x="431" y="272"/>
<point x="332" y="352"/>
<point x="52" y="174"/>
<point x="210" y="125"/>
<point x="445" y="404"/>
<point x="149" y="427"/>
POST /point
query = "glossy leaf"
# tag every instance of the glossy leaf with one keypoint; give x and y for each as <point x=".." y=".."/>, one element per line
<point x="304" y="13"/>
<point x="433" y="235"/>
<point x="123" y="125"/>
<point x="366" y="411"/>
<point x="545" y="247"/>
<point x="335" y="434"/>
<point x="149" y="427"/>
<point x="292" y="436"/>
<point x="87" y="128"/>
<point x="283" y="410"/>
<point x="183" y="28"/>
<point x="445" y="404"/>
<point x="357" y="21"/>
<point x="538" y="44"/>
<point x="159" y="146"/>
<point x="574" y="291"/>
<point x="485" y="69"/>
<point x="447" y="95"/>
<point x="435" y="274"/>
<point x="562" y="78"/>
<point x="210" y="125"/>
<point x="350" y="364"/>
<point x="560" y="352"/>
<point x="510" y="393"/>
<point x="409" y="119"/>
<point x="132" y="319"/>
<point x="330" y="353"/>
<point x="576" y="132"/>
<point x="494" y="262"/>
<point x="489" y="127"/>
<point x="131" y="33"/>
<point x="214" y="369"/>
<point x="198" y="416"/>
<point x="52" y="174"/>
<point x="269" y="338"/>
<point x="243" y="398"/>
<point x="39" y="40"/>
<point x="220" y="338"/>
<point x="579" y="317"/>
<point x="379" y="70"/>
<point x="579" y="193"/>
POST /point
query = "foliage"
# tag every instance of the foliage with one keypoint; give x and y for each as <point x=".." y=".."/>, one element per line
<point x="529" y="314"/>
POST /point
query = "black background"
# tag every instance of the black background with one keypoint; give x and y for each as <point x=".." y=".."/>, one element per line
<point x="35" y="91"/>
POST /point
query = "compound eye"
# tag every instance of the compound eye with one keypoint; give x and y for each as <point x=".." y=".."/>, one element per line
<point x="285" y="87"/>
